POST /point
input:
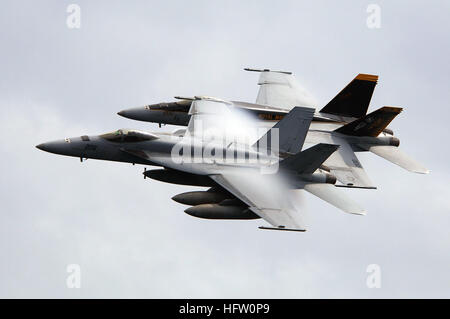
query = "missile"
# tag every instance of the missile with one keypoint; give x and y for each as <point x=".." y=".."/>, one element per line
<point x="216" y="211"/>
<point x="200" y="197"/>
<point x="177" y="177"/>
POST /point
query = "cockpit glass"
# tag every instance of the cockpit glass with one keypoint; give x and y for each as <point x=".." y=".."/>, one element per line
<point x="127" y="136"/>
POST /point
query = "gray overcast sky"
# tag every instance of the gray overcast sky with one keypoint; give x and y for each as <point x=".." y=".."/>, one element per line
<point x="128" y="236"/>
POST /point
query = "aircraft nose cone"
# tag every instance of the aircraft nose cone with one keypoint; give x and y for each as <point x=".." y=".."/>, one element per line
<point x="41" y="146"/>
<point x="178" y="198"/>
<point x="137" y="113"/>
<point x="56" y="147"/>
<point x="129" y="114"/>
<point x="47" y="147"/>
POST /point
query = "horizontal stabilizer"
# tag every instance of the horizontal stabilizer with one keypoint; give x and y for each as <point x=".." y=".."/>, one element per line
<point x="354" y="99"/>
<point x="395" y="155"/>
<point x="291" y="130"/>
<point x="335" y="197"/>
<point x="309" y="160"/>
<point x="372" y="124"/>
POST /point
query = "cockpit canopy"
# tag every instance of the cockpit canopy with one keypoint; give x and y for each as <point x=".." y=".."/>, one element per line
<point x="128" y="136"/>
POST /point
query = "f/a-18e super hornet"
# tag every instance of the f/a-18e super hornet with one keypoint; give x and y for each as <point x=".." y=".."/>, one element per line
<point x="343" y="121"/>
<point x="248" y="181"/>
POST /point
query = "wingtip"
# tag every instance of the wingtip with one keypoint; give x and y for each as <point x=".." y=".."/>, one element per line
<point x="356" y="210"/>
<point x="422" y="171"/>
<point x="282" y="229"/>
<point x="360" y="213"/>
<point x="418" y="169"/>
<point x="267" y="70"/>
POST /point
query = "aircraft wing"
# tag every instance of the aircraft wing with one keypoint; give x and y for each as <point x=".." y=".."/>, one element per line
<point x="281" y="89"/>
<point x="396" y="156"/>
<point x="346" y="167"/>
<point x="267" y="196"/>
<point x="307" y="162"/>
<point x="333" y="196"/>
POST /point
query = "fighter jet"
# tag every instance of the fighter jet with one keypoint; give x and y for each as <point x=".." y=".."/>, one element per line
<point x="349" y="127"/>
<point x="343" y="121"/>
<point x="248" y="181"/>
<point x="278" y="93"/>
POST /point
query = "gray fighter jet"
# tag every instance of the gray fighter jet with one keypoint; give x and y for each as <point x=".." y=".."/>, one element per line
<point x="248" y="180"/>
<point x="278" y="93"/>
<point x="343" y="121"/>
